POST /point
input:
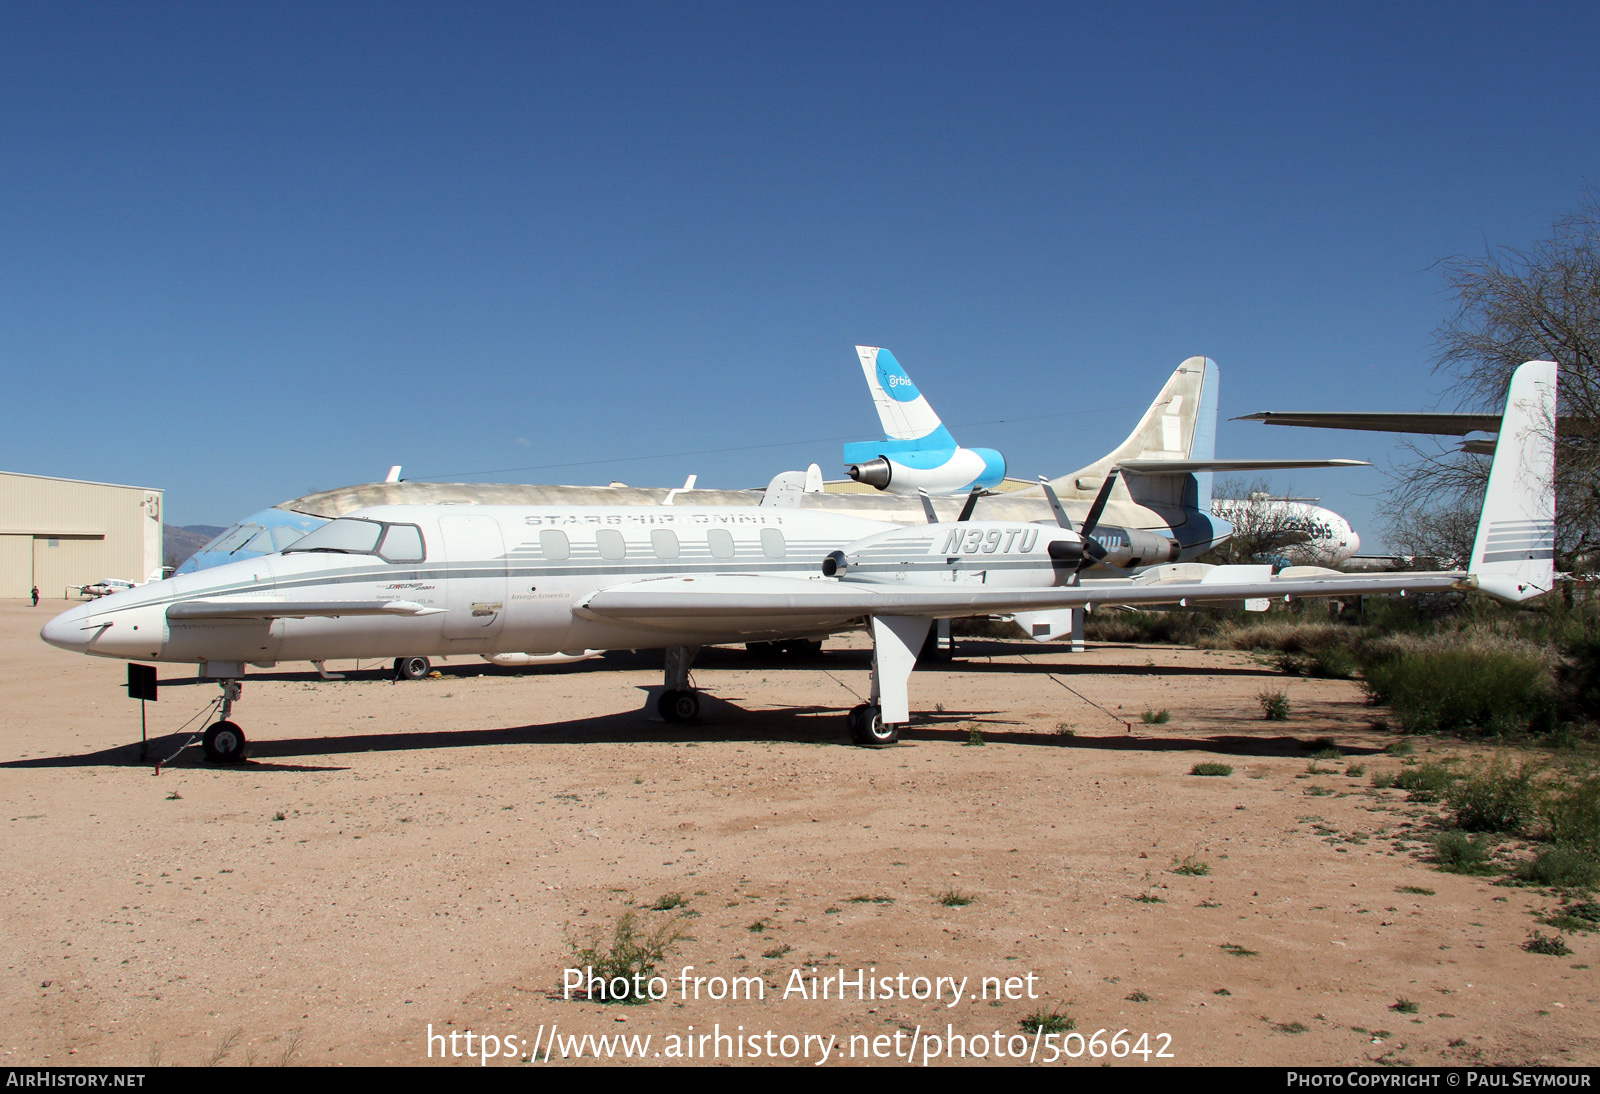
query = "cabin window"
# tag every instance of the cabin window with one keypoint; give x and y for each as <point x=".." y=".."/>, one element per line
<point x="612" y="546"/>
<point x="553" y="545"/>
<point x="772" y="544"/>
<point x="665" y="542"/>
<point x="720" y="541"/>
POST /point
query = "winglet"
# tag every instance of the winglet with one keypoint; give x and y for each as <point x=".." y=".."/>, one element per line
<point x="1514" y="555"/>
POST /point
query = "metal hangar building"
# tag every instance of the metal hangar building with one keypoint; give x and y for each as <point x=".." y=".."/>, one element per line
<point x="57" y="534"/>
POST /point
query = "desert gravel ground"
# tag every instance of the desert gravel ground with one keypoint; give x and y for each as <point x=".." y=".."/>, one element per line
<point x="400" y="857"/>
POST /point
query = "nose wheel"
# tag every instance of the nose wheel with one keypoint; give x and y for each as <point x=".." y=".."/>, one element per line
<point x="678" y="705"/>
<point x="224" y="743"/>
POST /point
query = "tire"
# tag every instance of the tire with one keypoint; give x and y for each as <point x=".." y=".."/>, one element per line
<point x="868" y="729"/>
<point x="411" y="668"/>
<point x="678" y="706"/>
<point x="224" y="743"/>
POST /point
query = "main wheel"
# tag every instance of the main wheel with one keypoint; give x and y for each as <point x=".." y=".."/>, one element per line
<point x="678" y="706"/>
<point x="224" y="743"/>
<point x="411" y="668"/>
<point x="867" y="727"/>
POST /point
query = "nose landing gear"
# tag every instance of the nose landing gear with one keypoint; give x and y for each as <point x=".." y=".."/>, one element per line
<point x="224" y="741"/>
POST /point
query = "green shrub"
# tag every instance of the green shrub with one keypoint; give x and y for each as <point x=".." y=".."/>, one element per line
<point x="1433" y="687"/>
<point x="1560" y="868"/>
<point x="1455" y="852"/>
<point x="1274" y="705"/>
<point x="1329" y="663"/>
<point x="628" y="952"/>
<point x="1427" y="782"/>
<point x="1048" y="1021"/>
<point x="1181" y="628"/>
<point x="1538" y="942"/>
<point x="1581" y="915"/>
<point x="1494" y="799"/>
<point x="1211" y="769"/>
<point x="1155" y="717"/>
<point x="1571" y="814"/>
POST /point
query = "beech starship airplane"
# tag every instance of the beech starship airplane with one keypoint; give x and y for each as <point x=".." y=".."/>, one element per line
<point x="406" y="580"/>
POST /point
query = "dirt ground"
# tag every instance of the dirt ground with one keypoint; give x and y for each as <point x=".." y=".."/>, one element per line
<point x="396" y="859"/>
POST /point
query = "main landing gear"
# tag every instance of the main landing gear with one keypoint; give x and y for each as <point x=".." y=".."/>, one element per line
<point x="679" y="702"/>
<point x="411" y="668"/>
<point x="224" y="741"/>
<point x="868" y="729"/>
<point x="896" y="641"/>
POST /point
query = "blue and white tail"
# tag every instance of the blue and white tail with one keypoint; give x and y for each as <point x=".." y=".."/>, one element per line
<point x="904" y="412"/>
<point x="917" y="454"/>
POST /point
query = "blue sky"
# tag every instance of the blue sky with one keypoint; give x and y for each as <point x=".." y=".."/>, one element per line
<point x="252" y="250"/>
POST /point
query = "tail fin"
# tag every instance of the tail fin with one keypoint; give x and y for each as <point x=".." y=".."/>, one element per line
<point x="905" y="414"/>
<point x="1514" y="555"/>
<point x="1181" y="424"/>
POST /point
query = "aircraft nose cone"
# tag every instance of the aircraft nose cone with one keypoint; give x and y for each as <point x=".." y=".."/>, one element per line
<point x="67" y="629"/>
<point x="1355" y="542"/>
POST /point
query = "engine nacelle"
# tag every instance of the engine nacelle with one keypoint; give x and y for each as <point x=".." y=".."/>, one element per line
<point x="938" y="471"/>
<point x="1007" y="554"/>
<point x="1131" y="548"/>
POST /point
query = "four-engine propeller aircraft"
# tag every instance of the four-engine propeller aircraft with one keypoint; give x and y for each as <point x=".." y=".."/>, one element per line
<point x="405" y="580"/>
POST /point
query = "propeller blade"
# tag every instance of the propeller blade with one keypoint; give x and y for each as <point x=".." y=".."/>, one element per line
<point x="972" y="503"/>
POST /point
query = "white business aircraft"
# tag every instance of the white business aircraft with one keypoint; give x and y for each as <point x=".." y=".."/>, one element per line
<point x="422" y="579"/>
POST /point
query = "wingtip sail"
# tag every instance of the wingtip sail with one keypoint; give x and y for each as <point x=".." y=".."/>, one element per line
<point x="1514" y="555"/>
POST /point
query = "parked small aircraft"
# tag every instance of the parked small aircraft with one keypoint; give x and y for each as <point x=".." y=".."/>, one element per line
<point x="404" y="580"/>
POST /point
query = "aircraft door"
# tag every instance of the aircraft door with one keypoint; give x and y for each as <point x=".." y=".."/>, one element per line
<point x="475" y="560"/>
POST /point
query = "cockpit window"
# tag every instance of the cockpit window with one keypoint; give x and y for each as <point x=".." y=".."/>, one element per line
<point x="283" y="535"/>
<point x="402" y="543"/>
<point x="356" y="536"/>
<point x="233" y="539"/>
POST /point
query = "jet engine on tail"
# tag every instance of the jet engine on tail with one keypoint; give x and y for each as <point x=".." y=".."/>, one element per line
<point x="919" y="452"/>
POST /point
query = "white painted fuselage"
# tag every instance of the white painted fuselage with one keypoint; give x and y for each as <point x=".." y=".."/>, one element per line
<point x="491" y="578"/>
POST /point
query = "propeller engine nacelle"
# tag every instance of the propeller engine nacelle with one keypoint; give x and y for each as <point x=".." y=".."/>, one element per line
<point x="1131" y="548"/>
<point x="938" y="471"/>
<point x="1007" y="554"/>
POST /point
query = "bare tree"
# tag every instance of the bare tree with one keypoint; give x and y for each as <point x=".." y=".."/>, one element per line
<point x="1264" y="527"/>
<point x="1515" y="305"/>
<point x="1436" y="538"/>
